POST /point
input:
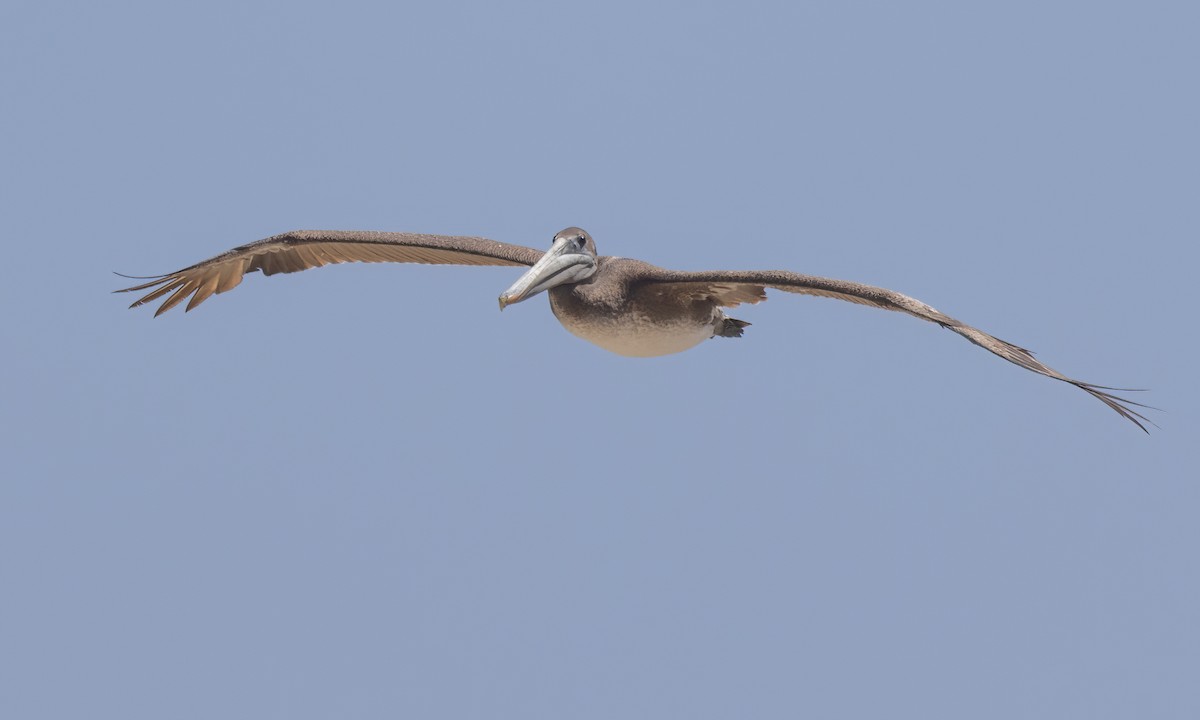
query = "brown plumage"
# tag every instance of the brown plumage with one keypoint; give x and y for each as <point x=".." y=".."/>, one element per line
<point x="626" y="306"/>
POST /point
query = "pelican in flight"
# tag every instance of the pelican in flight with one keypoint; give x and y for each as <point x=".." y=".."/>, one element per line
<point x="626" y="306"/>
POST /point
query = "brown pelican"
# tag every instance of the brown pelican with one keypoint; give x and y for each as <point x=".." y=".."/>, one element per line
<point x="625" y="306"/>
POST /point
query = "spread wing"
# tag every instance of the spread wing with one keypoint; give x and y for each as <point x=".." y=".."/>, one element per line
<point x="304" y="249"/>
<point x="731" y="288"/>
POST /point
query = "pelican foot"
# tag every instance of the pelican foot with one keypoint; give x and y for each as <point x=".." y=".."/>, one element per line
<point x="730" y="328"/>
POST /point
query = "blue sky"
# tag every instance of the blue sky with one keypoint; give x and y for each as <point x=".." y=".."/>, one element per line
<point x="364" y="492"/>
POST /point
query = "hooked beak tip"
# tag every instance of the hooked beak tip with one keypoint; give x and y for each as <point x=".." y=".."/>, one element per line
<point x="503" y="303"/>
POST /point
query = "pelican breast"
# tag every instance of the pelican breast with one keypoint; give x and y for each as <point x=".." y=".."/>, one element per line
<point x="613" y="313"/>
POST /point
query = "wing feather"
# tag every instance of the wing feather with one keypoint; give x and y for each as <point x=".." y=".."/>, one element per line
<point x="171" y="284"/>
<point x="207" y="287"/>
<point x="185" y="288"/>
<point x="304" y="249"/>
<point x="230" y="275"/>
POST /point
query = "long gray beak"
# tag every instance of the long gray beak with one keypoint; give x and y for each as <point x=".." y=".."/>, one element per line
<point x="561" y="264"/>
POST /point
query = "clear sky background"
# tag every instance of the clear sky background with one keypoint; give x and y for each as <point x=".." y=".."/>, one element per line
<point x="362" y="491"/>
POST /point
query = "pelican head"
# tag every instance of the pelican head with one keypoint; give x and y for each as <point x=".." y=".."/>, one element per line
<point x="570" y="259"/>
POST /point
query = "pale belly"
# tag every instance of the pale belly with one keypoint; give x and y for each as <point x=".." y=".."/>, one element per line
<point x="636" y="335"/>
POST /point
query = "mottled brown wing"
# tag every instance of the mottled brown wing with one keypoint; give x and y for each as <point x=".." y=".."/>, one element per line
<point x="304" y="249"/>
<point x="730" y="288"/>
